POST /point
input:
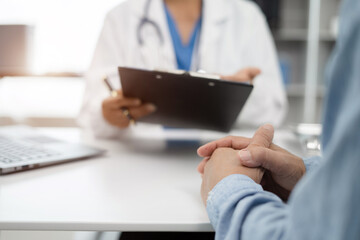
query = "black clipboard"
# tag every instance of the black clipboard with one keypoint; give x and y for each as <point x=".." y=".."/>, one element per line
<point x="184" y="100"/>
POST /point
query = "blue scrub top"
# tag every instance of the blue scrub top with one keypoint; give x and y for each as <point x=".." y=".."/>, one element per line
<point x="183" y="52"/>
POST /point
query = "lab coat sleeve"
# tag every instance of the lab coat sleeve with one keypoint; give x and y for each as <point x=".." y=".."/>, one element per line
<point x="268" y="102"/>
<point x="108" y="56"/>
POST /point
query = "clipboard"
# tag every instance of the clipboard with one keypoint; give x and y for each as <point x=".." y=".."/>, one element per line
<point x="185" y="99"/>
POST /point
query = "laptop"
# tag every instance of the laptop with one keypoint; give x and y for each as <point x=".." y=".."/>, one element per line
<point x="23" y="148"/>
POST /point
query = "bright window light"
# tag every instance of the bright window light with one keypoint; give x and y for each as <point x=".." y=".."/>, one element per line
<point x="65" y="32"/>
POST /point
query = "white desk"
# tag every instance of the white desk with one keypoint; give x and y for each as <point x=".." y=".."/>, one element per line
<point x="125" y="190"/>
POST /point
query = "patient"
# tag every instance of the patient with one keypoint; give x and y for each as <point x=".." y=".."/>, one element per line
<point x="245" y="180"/>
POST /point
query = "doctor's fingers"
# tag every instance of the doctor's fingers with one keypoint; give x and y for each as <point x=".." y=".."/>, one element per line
<point x="252" y="72"/>
<point x="117" y="118"/>
<point x="244" y="75"/>
<point x="142" y="111"/>
<point x="115" y="103"/>
<point x="248" y="74"/>
<point x="237" y="143"/>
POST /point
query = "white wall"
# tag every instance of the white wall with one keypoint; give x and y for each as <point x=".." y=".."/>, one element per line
<point x="66" y="29"/>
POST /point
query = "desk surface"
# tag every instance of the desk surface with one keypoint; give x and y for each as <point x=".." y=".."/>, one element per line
<point x="127" y="189"/>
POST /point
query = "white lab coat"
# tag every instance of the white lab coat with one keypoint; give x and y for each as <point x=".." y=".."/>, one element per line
<point x="234" y="35"/>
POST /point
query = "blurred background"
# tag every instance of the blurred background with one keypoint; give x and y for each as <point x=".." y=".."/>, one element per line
<point x="46" y="47"/>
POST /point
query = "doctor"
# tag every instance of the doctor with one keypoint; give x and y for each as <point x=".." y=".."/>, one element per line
<point x="229" y="37"/>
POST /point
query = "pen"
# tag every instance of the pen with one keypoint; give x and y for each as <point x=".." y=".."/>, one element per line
<point x="111" y="89"/>
<point x="114" y="93"/>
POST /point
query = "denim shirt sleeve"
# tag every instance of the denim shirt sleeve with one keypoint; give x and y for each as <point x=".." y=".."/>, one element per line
<point x="231" y="201"/>
<point x="312" y="163"/>
<point x="325" y="203"/>
<point x="238" y="201"/>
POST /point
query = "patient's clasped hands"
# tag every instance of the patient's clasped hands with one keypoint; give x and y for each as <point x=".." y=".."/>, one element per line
<point x="274" y="168"/>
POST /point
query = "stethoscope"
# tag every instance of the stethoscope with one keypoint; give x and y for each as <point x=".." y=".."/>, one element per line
<point x="146" y="21"/>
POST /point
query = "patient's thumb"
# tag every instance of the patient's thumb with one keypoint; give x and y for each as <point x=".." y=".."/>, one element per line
<point x="246" y="158"/>
<point x="261" y="157"/>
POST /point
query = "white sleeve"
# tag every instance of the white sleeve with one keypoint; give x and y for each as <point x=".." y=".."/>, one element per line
<point x="108" y="56"/>
<point x="267" y="103"/>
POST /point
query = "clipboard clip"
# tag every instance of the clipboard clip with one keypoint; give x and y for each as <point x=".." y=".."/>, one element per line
<point x="200" y="73"/>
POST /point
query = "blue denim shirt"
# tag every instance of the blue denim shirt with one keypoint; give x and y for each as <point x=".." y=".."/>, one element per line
<point x="326" y="203"/>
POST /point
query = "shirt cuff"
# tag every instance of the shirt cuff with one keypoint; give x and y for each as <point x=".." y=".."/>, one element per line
<point x="230" y="189"/>
<point x="312" y="163"/>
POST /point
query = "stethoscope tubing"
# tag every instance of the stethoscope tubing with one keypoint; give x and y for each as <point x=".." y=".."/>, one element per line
<point x="145" y="20"/>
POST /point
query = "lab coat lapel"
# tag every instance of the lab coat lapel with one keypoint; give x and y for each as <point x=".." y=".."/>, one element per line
<point x="153" y="53"/>
<point x="215" y="15"/>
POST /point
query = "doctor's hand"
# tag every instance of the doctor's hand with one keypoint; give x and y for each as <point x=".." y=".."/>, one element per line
<point x="283" y="169"/>
<point x="244" y="75"/>
<point x="112" y="109"/>
<point x="222" y="163"/>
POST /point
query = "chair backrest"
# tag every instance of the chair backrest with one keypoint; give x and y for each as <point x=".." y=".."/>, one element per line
<point x="4" y="121"/>
<point x="16" y="45"/>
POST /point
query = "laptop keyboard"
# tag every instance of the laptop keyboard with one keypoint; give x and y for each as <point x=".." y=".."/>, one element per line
<point x="20" y="151"/>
